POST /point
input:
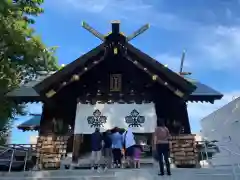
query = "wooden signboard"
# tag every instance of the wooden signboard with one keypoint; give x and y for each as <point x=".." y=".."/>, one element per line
<point x="115" y="82"/>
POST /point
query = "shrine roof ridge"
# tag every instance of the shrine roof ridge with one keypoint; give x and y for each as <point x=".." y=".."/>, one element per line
<point x="114" y="42"/>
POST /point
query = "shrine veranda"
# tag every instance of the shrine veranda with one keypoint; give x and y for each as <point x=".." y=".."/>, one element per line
<point x="115" y="84"/>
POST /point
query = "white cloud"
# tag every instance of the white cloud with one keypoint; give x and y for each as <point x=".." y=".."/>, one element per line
<point x="218" y="47"/>
<point x="198" y="111"/>
<point x="88" y="6"/>
<point x="106" y="6"/>
<point x="212" y="47"/>
<point x="135" y="11"/>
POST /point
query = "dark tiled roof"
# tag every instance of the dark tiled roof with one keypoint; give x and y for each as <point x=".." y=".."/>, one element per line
<point x="26" y="91"/>
<point x="202" y="92"/>
<point x="202" y="89"/>
<point x="31" y="124"/>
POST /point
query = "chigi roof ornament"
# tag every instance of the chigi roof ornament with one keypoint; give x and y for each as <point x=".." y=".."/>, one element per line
<point x="115" y="31"/>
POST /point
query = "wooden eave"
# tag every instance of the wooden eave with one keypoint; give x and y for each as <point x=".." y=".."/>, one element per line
<point x="170" y="75"/>
<point x="203" y="93"/>
<point x="68" y="69"/>
<point x="205" y="98"/>
<point x="179" y="81"/>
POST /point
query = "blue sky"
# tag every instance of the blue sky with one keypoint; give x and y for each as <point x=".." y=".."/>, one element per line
<point x="208" y="30"/>
<point x="19" y="137"/>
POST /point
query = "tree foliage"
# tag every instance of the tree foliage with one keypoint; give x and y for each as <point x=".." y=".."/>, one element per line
<point x="22" y="53"/>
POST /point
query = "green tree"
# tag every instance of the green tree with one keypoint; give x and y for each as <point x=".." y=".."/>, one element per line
<point x="22" y="54"/>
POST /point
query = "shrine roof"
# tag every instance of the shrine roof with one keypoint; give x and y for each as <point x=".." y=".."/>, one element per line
<point x="32" y="124"/>
<point x="139" y="56"/>
<point x="114" y="44"/>
<point x="203" y="92"/>
<point x="27" y="92"/>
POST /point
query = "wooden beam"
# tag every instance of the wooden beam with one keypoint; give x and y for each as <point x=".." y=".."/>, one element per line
<point x="93" y="31"/>
<point x="77" y="140"/>
<point x="174" y="77"/>
<point x="138" y="32"/>
<point x="156" y="77"/>
<point x="75" y="77"/>
<point x="58" y="76"/>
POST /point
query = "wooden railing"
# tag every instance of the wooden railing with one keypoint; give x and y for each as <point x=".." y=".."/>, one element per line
<point x="31" y="147"/>
<point x="25" y="150"/>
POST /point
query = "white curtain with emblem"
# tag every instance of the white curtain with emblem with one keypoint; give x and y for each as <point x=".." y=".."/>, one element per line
<point x="140" y="117"/>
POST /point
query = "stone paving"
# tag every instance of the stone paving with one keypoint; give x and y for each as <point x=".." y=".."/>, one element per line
<point x="85" y="161"/>
<point x="122" y="174"/>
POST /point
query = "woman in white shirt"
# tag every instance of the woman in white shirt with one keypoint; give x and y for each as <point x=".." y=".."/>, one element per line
<point x="129" y="143"/>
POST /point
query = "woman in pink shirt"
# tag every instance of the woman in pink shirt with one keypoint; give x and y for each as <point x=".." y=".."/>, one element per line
<point x="137" y="155"/>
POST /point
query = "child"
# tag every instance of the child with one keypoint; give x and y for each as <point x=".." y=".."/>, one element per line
<point x="137" y="155"/>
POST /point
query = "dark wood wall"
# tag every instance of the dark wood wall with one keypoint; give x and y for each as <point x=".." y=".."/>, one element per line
<point x="137" y="86"/>
<point x="172" y="110"/>
<point x="94" y="85"/>
<point x="61" y="112"/>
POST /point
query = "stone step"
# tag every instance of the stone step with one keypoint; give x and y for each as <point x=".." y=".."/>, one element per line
<point x="180" y="175"/>
<point x="111" y="172"/>
<point x="114" y="174"/>
<point x="85" y="161"/>
<point x="222" y="177"/>
<point x="134" y="175"/>
<point x="57" y="173"/>
<point x="68" y="178"/>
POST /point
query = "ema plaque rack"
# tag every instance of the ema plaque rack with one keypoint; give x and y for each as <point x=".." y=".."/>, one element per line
<point x="183" y="150"/>
<point x="50" y="150"/>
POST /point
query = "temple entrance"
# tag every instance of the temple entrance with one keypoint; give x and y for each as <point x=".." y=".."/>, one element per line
<point x="144" y="139"/>
<point x="141" y="118"/>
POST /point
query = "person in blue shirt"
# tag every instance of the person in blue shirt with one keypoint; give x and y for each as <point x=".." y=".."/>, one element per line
<point x="107" y="149"/>
<point x="117" y="147"/>
<point x="96" y="144"/>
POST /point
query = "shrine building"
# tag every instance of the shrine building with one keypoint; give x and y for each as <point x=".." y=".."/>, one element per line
<point x="114" y="84"/>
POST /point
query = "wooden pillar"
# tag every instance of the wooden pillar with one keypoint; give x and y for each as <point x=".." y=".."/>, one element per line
<point x="183" y="117"/>
<point x="46" y="124"/>
<point x="77" y="138"/>
<point x="77" y="141"/>
<point x="41" y="126"/>
<point x="186" y="118"/>
<point x="164" y="109"/>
